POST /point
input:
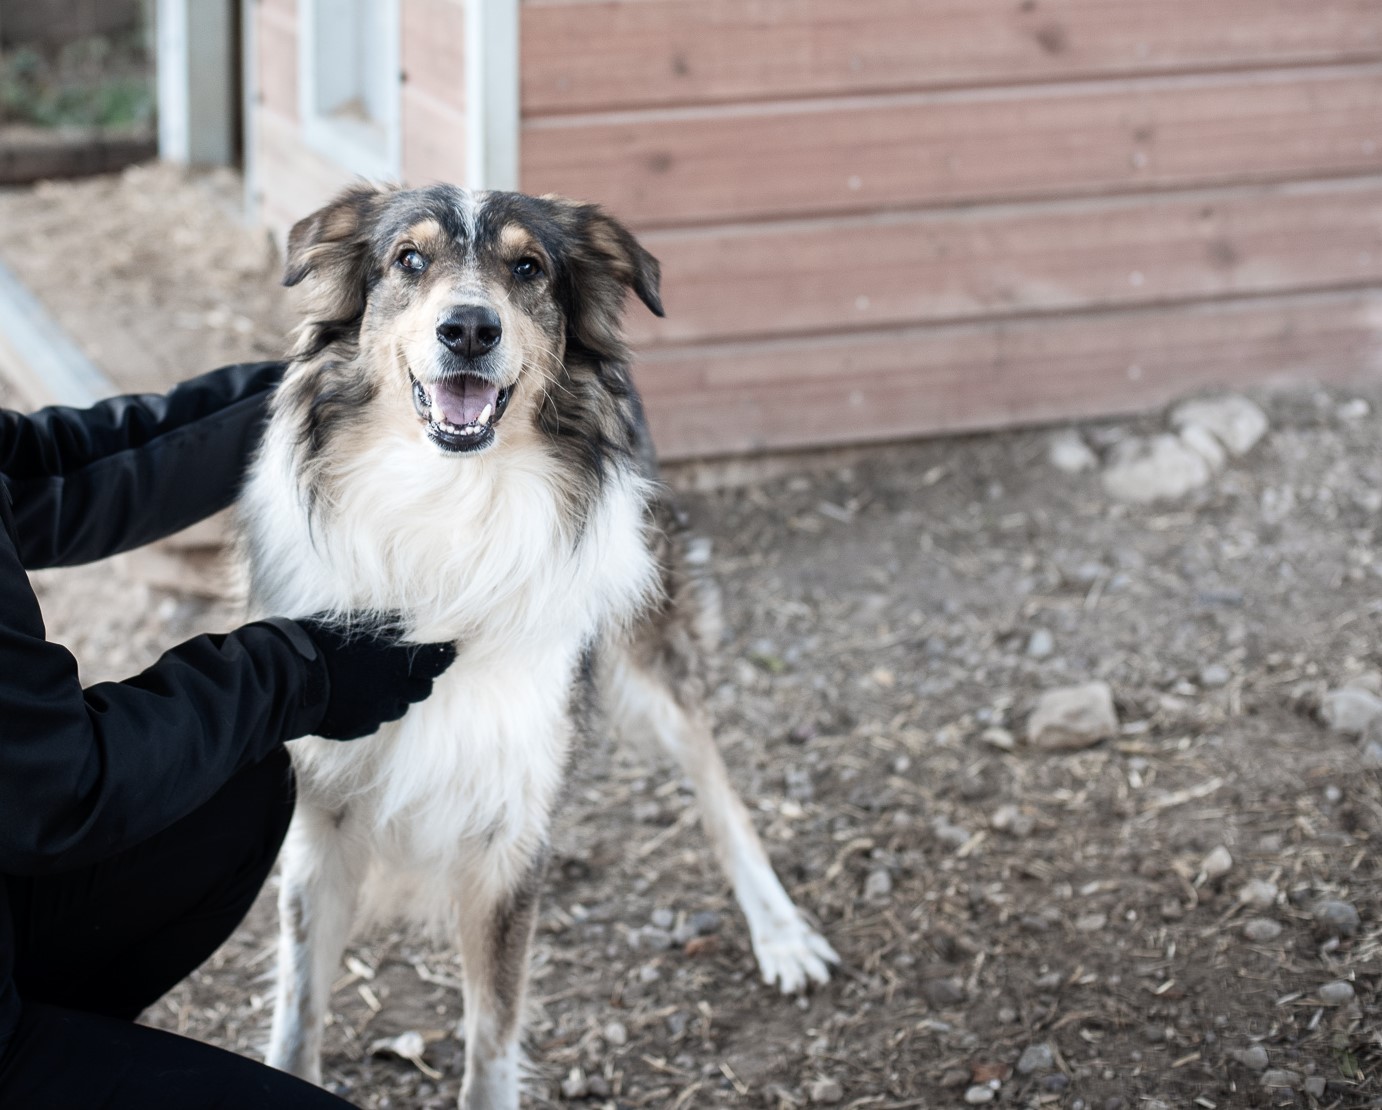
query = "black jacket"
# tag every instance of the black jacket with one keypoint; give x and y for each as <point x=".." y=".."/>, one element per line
<point x="86" y="773"/>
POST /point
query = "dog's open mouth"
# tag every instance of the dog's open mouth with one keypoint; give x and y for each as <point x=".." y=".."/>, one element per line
<point x="460" y="411"/>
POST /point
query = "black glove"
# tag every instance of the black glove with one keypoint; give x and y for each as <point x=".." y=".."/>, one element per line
<point x="373" y="678"/>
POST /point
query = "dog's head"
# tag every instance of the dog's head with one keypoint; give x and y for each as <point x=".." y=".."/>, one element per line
<point x="468" y="305"/>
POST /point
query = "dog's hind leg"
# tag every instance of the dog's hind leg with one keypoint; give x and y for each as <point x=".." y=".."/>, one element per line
<point x="498" y="912"/>
<point x="643" y="700"/>
<point x="317" y="902"/>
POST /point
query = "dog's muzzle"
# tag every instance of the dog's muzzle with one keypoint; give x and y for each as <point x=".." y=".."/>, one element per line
<point x="461" y="410"/>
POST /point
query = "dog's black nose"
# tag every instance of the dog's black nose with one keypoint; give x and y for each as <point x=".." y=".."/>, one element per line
<point x="469" y="330"/>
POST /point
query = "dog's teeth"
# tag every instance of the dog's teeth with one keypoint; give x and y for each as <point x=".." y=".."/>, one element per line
<point x="484" y="416"/>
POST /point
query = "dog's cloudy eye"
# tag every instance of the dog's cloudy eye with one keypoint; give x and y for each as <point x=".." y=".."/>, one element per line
<point x="412" y="261"/>
<point x="525" y="269"/>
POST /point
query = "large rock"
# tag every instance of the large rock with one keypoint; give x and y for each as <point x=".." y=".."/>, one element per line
<point x="1154" y="468"/>
<point x="1234" y="421"/>
<point x="1073" y="717"/>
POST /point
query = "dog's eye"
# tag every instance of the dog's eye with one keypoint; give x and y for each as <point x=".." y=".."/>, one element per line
<point x="525" y="269"/>
<point x="412" y="261"/>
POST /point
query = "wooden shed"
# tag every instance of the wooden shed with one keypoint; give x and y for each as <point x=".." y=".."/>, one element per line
<point x="885" y="218"/>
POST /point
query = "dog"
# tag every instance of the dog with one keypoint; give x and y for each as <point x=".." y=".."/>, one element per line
<point x="457" y="441"/>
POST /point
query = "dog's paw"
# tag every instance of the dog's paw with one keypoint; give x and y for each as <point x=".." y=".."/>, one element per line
<point x="792" y="953"/>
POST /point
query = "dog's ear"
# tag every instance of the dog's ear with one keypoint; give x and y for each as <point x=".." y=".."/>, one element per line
<point x="331" y="247"/>
<point x="602" y="261"/>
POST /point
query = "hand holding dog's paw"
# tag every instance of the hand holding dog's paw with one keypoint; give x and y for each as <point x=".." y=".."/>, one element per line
<point x="790" y="953"/>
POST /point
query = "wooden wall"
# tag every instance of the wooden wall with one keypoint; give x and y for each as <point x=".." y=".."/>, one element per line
<point x="882" y="218"/>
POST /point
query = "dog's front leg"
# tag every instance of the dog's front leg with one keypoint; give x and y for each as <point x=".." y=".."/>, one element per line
<point x="496" y="931"/>
<point x="322" y="871"/>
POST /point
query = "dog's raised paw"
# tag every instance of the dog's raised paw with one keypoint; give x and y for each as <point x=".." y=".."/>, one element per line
<point x="792" y="954"/>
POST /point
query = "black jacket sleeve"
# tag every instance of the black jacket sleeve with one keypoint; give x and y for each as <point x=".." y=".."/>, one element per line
<point x="88" y="483"/>
<point x="85" y="773"/>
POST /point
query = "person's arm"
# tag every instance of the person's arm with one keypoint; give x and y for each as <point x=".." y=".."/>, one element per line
<point x="88" y="483"/>
<point x="85" y="773"/>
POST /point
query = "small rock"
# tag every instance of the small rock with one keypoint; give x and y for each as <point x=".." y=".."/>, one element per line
<point x="1234" y="421"/>
<point x="1214" y="675"/>
<point x="943" y="992"/>
<point x="1281" y="1077"/>
<point x="1350" y="710"/>
<point x="981" y="1094"/>
<point x="575" y="1086"/>
<point x="1371" y="755"/>
<point x="1153" y="469"/>
<point x="1011" y="820"/>
<point x="705" y="922"/>
<point x="827" y="1090"/>
<point x="1336" y="917"/>
<point x="1035" y="1057"/>
<point x="1069" y="453"/>
<point x="1040" y="644"/>
<point x="999" y="738"/>
<point x="1201" y="440"/>
<point x="616" y="1033"/>
<point x="662" y="917"/>
<point x="956" y="836"/>
<point x="1260" y="930"/>
<point x="1258" y="894"/>
<point x="1315" y="1086"/>
<point x="1115" y="1102"/>
<point x="1073" y="717"/>
<point x="597" y="1086"/>
<point x="954" y="1077"/>
<point x="1336" y="993"/>
<point x="878" y="886"/>
<point x="1091" y="922"/>
<point x="1356" y="409"/>
<point x="1217" y="864"/>
<point x="650" y="939"/>
<point x="1055" y="1082"/>
<point x="1254" y="1057"/>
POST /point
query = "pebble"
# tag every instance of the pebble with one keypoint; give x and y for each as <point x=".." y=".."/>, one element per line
<point x="1214" y="675"/>
<point x="1336" y="993"/>
<point x="878" y="886"/>
<point x="574" y="1086"/>
<point x="979" y="1095"/>
<point x="1258" y="894"/>
<point x="1154" y="468"/>
<point x="1281" y="1077"/>
<point x="1055" y="1082"/>
<point x="616" y="1033"/>
<point x="1069" y="453"/>
<point x="1371" y="755"/>
<point x="1091" y="922"/>
<point x="827" y="1090"/>
<point x="662" y="917"/>
<point x="1011" y="820"/>
<point x="597" y="1086"/>
<point x="1254" y="1057"/>
<point x="1316" y="1086"/>
<point x="1260" y="930"/>
<point x="1233" y="420"/>
<point x="1350" y="710"/>
<point x="1035" y="1057"/>
<point x="1040" y="644"/>
<point x="943" y="992"/>
<point x="650" y="939"/>
<point x="1073" y="717"/>
<point x="1336" y="917"/>
<point x="1217" y="864"/>
<point x="956" y="836"/>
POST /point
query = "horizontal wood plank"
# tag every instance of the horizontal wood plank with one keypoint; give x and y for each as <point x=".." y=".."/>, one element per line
<point x="433" y="139"/>
<point x="738" y="398"/>
<point x="864" y="154"/>
<point x="291" y="179"/>
<point x="582" y="57"/>
<point x="899" y="269"/>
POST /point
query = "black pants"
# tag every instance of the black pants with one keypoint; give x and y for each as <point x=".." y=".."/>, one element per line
<point x="95" y="947"/>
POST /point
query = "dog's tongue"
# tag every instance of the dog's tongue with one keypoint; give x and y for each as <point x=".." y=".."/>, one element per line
<point x="461" y="401"/>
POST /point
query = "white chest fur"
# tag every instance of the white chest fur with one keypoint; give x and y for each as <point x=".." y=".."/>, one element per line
<point x="482" y="551"/>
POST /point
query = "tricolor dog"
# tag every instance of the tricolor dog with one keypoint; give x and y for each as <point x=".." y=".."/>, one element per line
<point x="458" y="440"/>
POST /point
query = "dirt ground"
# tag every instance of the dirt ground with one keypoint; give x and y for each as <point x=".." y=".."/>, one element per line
<point x="891" y="619"/>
